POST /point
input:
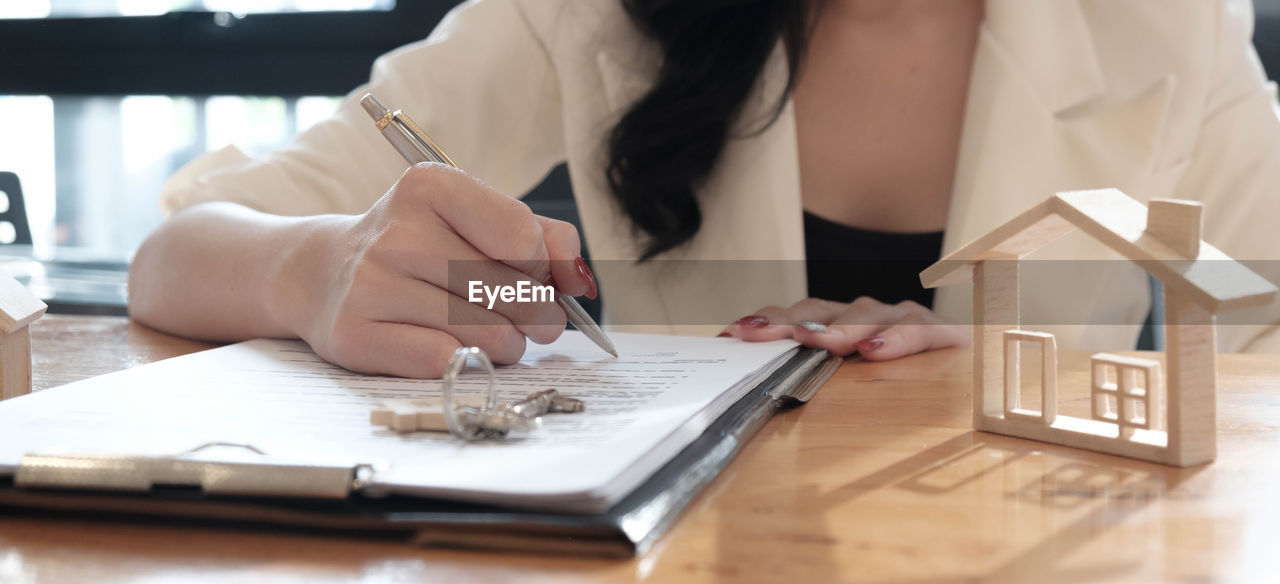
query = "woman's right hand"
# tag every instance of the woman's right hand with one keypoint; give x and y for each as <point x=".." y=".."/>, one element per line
<point x="386" y="291"/>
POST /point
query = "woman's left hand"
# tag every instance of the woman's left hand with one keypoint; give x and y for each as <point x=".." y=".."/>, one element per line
<point x="873" y="329"/>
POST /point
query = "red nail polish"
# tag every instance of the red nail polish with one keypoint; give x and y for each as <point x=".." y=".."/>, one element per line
<point x="551" y="281"/>
<point x="722" y="335"/>
<point x="870" y="345"/>
<point x="586" y="274"/>
<point x="753" y="321"/>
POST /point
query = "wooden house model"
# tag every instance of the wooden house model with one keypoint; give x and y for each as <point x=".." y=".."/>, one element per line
<point x="18" y="309"/>
<point x="1133" y="413"/>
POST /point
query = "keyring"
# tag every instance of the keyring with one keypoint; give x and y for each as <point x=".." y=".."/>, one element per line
<point x="457" y="363"/>
<point x="471" y="423"/>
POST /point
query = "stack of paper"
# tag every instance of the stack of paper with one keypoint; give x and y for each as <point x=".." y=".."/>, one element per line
<point x="641" y="409"/>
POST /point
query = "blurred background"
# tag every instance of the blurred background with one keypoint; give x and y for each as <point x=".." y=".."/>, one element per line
<point x="101" y="100"/>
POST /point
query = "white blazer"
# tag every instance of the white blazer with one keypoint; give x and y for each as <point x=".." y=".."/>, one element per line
<point x="1155" y="98"/>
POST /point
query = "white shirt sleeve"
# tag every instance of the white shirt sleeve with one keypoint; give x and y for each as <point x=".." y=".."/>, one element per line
<point x="1235" y="170"/>
<point x="482" y="85"/>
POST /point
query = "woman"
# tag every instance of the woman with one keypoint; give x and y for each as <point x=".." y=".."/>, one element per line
<point x="882" y="118"/>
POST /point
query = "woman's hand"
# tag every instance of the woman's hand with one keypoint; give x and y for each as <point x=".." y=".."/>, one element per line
<point x="387" y="291"/>
<point x="877" y="331"/>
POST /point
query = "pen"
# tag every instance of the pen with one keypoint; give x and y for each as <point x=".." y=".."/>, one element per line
<point x="415" y="146"/>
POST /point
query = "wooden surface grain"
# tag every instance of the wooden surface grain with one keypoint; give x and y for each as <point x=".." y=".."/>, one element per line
<point x="71" y="348"/>
<point x="880" y="479"/>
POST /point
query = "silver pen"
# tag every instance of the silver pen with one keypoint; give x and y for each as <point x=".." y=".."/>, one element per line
<point x="415" y="146"/>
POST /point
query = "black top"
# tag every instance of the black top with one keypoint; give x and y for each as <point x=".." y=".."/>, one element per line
<point x="846" y="262"/>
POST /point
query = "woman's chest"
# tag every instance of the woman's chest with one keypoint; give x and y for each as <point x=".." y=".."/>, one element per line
<point x="879" y="109"/>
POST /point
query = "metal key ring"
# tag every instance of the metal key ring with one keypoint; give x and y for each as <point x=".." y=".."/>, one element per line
<point x="457" y="363"/>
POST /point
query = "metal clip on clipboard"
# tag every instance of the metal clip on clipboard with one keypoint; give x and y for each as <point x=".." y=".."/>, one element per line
<point x="145" y="473"/>
<point x="803" y="382"/>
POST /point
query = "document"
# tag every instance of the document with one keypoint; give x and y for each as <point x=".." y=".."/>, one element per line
<point x="277" y="396"/>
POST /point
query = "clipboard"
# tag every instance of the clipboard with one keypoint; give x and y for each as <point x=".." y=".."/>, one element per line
<point x="330" y="498"/>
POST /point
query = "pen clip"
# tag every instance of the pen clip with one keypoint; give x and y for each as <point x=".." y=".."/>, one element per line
<point x="426" y="140"/>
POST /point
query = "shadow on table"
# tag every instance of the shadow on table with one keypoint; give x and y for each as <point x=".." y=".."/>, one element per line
<point x="1124" y="487"/>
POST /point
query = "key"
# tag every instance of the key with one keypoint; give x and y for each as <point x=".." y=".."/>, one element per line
<point x="543" y="402"/>
<point x="568" y="405"/>
<point x="412" y="415"/>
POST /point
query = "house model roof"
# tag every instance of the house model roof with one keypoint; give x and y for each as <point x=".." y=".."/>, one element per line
<point x="18" y="306"/>
<point x="1209" y="278"/>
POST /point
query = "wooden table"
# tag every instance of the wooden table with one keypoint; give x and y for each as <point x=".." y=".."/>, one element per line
<point x="880" y="479"/>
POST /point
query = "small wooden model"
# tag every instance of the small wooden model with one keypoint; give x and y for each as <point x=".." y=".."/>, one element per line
<point x="18" y="309"/>
<point x="1130" y="413"/>
<point x="410" y="415"/>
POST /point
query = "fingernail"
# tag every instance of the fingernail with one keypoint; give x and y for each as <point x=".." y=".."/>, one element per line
<point x="870" y="345"/>
<point x="551" y="281"/>
<point x="586" y="274"/>
<point x="812" y="326"/>
<point x="753" y="321"/>
<point x="722" y="335"/>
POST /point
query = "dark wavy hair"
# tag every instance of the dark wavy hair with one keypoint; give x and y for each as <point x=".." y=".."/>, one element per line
<point x="662" y="150"/>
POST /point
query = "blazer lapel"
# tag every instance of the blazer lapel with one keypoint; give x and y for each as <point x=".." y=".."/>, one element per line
<point x="1048" y="46"/>
<point x="1041" y="118"/>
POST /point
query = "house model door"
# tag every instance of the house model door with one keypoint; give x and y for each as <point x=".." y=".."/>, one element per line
<point x="1048" y="346"/>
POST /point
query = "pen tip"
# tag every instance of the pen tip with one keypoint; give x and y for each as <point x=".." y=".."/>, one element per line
<point x="371" y="105"/>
